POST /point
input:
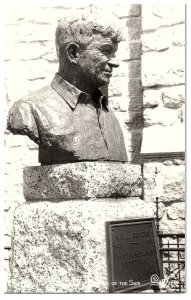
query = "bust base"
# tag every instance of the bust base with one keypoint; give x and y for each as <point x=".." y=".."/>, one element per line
<point x="82" y="180"/>
<point x="61" y="247"/>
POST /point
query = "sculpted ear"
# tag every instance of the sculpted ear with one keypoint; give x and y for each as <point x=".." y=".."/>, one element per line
<point x="73" y="52"/>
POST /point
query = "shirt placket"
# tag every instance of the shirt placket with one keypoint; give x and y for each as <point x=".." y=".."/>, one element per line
<point x="99" y="110"/>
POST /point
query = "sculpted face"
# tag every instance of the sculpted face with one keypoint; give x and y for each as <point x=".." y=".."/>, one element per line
<point x="98" y="60"/>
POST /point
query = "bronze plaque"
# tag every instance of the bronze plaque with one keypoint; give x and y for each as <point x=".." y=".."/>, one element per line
<point x="133" y="254"/>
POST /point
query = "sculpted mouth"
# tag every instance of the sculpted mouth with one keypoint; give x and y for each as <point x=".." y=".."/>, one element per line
<point x="109" y="73"/>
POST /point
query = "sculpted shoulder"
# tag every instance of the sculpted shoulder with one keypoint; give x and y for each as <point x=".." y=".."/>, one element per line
<point x="38" y="96"/>
<point x="21" y="118"/>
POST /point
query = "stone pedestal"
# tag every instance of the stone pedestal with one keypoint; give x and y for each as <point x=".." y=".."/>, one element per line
<point x="83" y="180"/>
<point x="59" y="236"/>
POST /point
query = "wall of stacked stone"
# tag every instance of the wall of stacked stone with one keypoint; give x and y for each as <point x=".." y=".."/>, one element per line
<point x="163" y="80"/>
<point x="31" y="62"/>
<point x="172" y="196"/>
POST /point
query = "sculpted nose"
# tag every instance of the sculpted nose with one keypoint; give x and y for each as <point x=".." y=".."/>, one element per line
<point x="113" y="62"/>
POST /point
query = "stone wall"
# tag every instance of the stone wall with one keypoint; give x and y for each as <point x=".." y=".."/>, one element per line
<point x="163" y="80"/>
<point x="172" y="194"/>
<point x="163" y="77"/>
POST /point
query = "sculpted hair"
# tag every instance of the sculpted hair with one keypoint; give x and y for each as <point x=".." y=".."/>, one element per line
<point x="81" y="28"/>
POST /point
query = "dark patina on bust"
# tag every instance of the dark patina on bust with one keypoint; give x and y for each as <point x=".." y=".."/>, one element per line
<point x="70" y="120"/>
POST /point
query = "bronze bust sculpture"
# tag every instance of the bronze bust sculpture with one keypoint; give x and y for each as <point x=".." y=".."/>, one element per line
<point x="70" y="120"/>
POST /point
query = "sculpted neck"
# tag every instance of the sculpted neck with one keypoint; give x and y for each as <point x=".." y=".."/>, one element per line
<point x="77" y="80"/>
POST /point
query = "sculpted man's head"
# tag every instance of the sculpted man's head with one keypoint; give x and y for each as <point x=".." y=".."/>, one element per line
<point x="70" y="119"/>
<point x="86" y="47"/>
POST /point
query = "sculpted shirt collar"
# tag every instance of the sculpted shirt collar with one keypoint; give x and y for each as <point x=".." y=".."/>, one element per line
<point x="71" y="94"/>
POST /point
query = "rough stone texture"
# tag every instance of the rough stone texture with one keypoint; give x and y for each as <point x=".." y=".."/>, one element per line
<point x="117" y="87"/>
<point x="153" y="116"/>
<point x="6" y="273"/>
<point x="163" y="78"/>
<point x="7" y="254"/>
<point x="82" y="180"/>
<point x="129" y="50"/>
<point x="134" y="22"/>
<point x="125" y="89"/>
<point x="164" y="38"/>
<point x="135" y="94"/>
<point x="61" y="247"/>
<point x="161" y="139"/>
<point x="119" y="104"/>
<point x="19" y="152"/>
<point x="133" y="133"/>
<point x="134" y="68"/>
<point x="170" y="97"/>
<point x="127" y="10"/>
<point x="170" y="70"/>
<point x="170" y="191"/>
<point x="151" y="98"/>
<point x="23" y="52"/>
<point x="176" y="211"/>
<point x="158" y="40"/>
<point x="17" y="155"/>
<point x="156" y="16"/>
<point x="163" y="66"/>
<point x="135" y="120"/>
<point x="179" y="35"/>
<point x="173" y="97"/>
<point x="136" y="138"/>
<point x="175" y="161"/>
<point x="172" y="226"/>
<point x="173" y="182"/>
<point x="133" y="33"/>
<point x="7" y="241"/>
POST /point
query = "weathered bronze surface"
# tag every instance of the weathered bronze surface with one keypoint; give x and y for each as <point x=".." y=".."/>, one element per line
<point x="70" y="119"/>
<point x="133" y="254"/>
